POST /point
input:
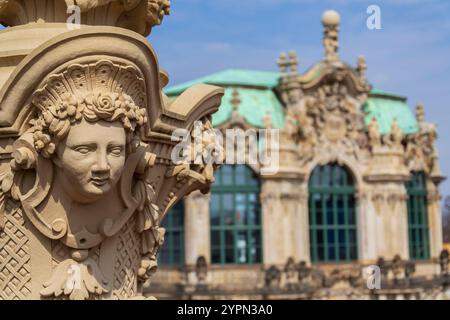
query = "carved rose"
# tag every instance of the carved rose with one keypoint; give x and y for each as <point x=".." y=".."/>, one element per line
<point x="112" y="107"/>
<point x="100" y="105"/>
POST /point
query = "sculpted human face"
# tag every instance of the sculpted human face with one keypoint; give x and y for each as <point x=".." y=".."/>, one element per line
<point x="90" y="159"/>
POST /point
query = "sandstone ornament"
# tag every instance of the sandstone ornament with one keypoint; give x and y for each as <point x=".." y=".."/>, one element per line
<point x="86" y="139"/>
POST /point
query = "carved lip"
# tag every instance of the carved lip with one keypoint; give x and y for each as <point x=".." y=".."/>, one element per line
<point x="99" y="181"/>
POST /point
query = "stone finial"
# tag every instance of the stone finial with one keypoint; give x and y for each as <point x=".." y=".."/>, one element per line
<point x="331" y="18"/>
<point x="290" y="86"/>
<point x="420" y="113"/>
<point x="374" y="132"/>
<point x="361" y="68"/>
<point x="396" y="133"/>
<point x="283" y="65"/>
<point x="293" y="62"/>
<point x="288" y="65"/>
<point x="331" y="21"/>
<point x="235" y="102"/>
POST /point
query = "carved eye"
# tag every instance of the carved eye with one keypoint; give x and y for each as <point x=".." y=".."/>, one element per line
<point x="82" y="150"/>
<point x="116" y="151"/>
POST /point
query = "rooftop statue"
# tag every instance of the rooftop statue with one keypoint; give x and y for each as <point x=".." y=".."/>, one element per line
<point x="86" y="172"/>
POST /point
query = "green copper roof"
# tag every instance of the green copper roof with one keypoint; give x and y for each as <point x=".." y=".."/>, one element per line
<point x="385" y="107"/>
<point x="257" y="97"/>
<point x="237" y="77"/>
<point x="255" y="93"/>
<point x="255" y="104"/>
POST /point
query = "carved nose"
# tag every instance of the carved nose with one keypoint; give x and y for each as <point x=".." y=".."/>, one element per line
<point x="102" y="164"/>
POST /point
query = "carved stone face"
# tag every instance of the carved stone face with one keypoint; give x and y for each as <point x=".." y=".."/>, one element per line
<point x="90" y="160"/>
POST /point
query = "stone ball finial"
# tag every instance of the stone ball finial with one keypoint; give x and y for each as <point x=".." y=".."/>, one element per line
<point x="331" y="18"/>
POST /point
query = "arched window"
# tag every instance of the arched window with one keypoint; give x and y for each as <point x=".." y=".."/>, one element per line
<point x="172" y="251"/>
<point x="419" y="246"/>
<point x="332" y="214"/>
<point x="235" y="216"/>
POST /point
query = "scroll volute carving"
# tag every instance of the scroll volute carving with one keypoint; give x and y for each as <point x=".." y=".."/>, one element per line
<point x="92" y="155"/>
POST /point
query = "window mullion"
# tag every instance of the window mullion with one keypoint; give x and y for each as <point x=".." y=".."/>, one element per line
<point x="325" y="231"/>
<point x="222" y="232"/>
<point x="335" y="227"/>
<point x="426" y="245"/>
<point x="314" y="224"/>
<point x="347" y="228"/>
<point x="418" y="217"/>
<point x="416" y="226"/>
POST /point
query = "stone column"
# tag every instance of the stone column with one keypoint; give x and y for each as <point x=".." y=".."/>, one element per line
<point x="386" y="175"/>
<point x="300" y="225"/>
<point x="366" y="224"/>
<point x="271" y="226"/>
<point x="389" y="224"/>
<point x="197" y="228"/>
<point x="285" y="222"/>
<point x="434" y="219"/>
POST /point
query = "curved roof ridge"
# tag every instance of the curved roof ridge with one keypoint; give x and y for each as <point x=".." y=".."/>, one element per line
<point x="387" y="94"/>
<point x="232" y="77"/>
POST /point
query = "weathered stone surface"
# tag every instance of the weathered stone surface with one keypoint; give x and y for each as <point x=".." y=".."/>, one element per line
<point x="86" y="172"/>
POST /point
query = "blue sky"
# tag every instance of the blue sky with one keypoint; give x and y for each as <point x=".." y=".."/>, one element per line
<point x="410" y="55"/>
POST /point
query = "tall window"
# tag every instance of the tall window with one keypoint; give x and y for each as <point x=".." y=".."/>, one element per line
<point x="235" y="216"/>
<point x="172" y="252"/>
<point x="332" y="214"/>
<point x="419" y="247"/>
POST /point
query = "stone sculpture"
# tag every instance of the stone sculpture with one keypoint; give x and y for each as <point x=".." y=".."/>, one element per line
<point x="443" y="261"/>
<point x="86" y="171"/>
<point x="201" y="271"/>
<point x="331" y="20"/>
<point x="291" y="274"/>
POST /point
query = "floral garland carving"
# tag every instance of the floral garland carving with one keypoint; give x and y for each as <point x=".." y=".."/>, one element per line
<point x="55" y="121"/>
